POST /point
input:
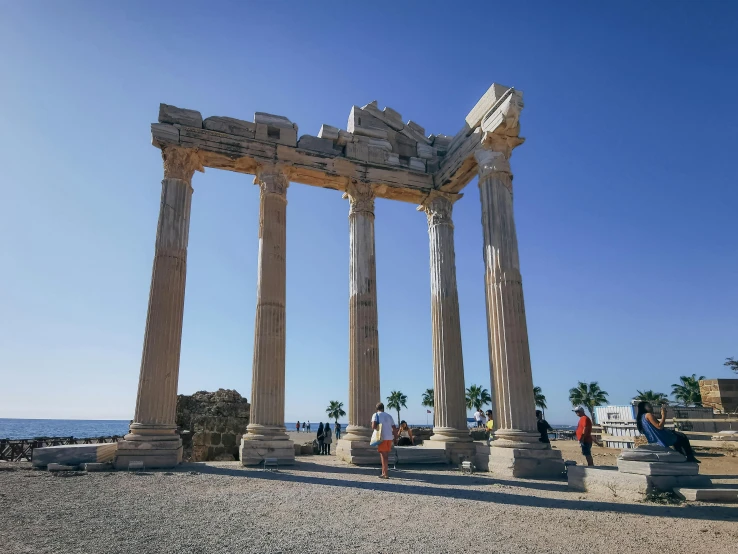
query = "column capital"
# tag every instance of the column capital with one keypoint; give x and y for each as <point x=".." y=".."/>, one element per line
<point x="492" y="161"/>
<point x="361" y="196"/>
<point x="438" y="207"/>
<point x="272" y="178"/>
<point x="181" y="163"/>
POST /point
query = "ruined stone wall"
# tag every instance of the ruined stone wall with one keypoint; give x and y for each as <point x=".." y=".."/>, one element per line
<point x="720" y="394"/>
<point x="216" y="421"/>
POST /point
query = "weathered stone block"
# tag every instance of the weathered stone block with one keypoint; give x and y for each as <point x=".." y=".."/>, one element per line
<point x="163" y="134"/>
<point x="229" y="439"/>
<point x="61" y="467"/>
<point x="230" y="126"/>
<point x="328" y="132"/>
<point x="73" y="454"/>
<point x="319" y="145"/>
<point x="274" y="120"/>
<point x="253" y="452"/>
<point x="417" y="164"/>
<point x="652" y="453"/>
<point x="519" y="462"/>
<point x="657" y="468"/>
<point x="357" y="151"/>
<point x="279" y="135"/>
<point x="173" y="114"/>
<point x="707" y="495"/>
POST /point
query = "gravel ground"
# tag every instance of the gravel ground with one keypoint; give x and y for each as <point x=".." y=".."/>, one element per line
<point x="323" y="504"/>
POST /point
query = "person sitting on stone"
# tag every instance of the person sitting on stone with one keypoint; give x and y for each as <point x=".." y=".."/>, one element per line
<point x="405" y="435"/>
<point x="327" y="439"/>
<point x="652" y="428"/>
<point x="320" y="436"/>
<point x="543" y="427"/>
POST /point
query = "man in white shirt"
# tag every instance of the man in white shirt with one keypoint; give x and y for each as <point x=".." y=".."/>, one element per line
<point x="388" y="435"/>
<point x="478" y="417"/>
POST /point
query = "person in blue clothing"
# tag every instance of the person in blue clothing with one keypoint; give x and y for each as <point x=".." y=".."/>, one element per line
<point x="652" y="428"/>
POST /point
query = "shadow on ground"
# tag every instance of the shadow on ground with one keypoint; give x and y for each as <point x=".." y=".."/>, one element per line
<point x="451" y="489"/>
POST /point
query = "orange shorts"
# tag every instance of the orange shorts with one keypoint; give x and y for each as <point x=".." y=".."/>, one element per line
<point x="385" y="446"/>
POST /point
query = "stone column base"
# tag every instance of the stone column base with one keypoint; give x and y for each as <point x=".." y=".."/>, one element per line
<point x="519" y="462"/>
<point x="253" y="452"/>
<point x="357" y="452"/>
<point x="455" y="450"/>
<point x="154" y="454"/>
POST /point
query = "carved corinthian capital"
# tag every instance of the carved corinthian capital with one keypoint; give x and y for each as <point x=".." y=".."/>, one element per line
<point x="272" y="179"/>
<point x="438" y="207"/>
<point x="180" y="163"/>
<point x="361" y="197"/>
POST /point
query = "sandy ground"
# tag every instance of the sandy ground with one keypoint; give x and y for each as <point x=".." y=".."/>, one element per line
<point x="323" y="504"/>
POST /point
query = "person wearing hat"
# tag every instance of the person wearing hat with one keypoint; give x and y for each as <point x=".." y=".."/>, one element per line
<point x="584" y="434"/>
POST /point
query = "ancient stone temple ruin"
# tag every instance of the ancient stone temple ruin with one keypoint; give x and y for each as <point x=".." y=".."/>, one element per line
<point x="378" y="155"/>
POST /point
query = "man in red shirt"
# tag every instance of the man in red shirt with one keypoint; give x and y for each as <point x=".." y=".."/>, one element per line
<point x="584" y="435"/>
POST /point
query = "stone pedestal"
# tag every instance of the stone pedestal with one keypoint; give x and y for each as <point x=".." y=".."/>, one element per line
<point x="266" y="436"/>
<point x="529" y="463"/>
<point x="357" y="452"/>
<point x="449" y="421"/>
<point x="153" y="437"/>
<point x="456" y="451"/>
<point x="363" y="328"/>
<point x="652" y="459"/>
<point x="608" y="481"/>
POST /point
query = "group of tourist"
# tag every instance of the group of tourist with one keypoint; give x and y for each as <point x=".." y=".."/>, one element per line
<point x="651" y="427"/>
<point x="305" y="427"/>
<point x="325" y="437"/>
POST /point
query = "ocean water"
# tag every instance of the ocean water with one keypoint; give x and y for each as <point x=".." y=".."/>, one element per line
<point x="78" y="428"/>
<point x="88" y="428"/>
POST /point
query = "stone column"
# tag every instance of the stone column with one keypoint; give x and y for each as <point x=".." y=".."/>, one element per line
<point x="516" y="450"/>
<point x="153" y="437"/>
<point x="450" y="429"/>
<point x="266" y="437"/>
<point x="363" y="335"/>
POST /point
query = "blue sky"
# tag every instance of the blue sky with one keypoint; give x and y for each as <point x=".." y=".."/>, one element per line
<point x="625" y="191"/>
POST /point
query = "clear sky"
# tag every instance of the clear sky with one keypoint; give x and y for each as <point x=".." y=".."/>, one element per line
<point x="625" y="191"/>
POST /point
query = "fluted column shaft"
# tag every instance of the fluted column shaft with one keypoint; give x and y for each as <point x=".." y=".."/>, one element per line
<point x="157" y="388"/>
<point x="267" y="384"/>
<point x="449" y="421"/>
<point x="363" y="330"/>
<point x="508" y="334"/>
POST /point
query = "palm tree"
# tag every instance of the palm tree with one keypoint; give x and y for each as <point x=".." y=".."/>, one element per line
<point x="427" y="399"/>
<point x="588" y="395"/>
<point x="395" y="401"/>
<point x="688" y="393"/>
<point x="335" y="410"/>
<point x="477" y="396"/>
<point x="732" y="363"/>
<point x="655" y="398"/>
<point x="540" y="399"/>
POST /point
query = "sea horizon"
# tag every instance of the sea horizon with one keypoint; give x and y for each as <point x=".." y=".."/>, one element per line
<point x="30" y="428"/>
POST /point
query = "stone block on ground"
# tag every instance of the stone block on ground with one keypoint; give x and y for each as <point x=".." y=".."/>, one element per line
<point x="105" y="466"/>
<point x="519" y="462"/>
<point x="74" y="454"/>
<point x="253" y="452"/>
<point x="657" y="468"/>
<point x="608" y="481"/>
<point x="61" y="467"/>
<point x="707" y="495"/>
<point x="652" y="453"/>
